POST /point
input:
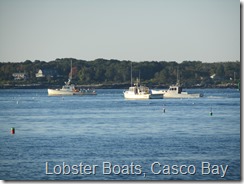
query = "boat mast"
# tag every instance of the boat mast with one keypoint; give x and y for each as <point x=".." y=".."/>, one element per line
<point x="131" y="74"/>
<point x="139" y="76"/>
<point x="178" y="80"/>
<point x="71" y="71"/>
<point x="70" y="76"/>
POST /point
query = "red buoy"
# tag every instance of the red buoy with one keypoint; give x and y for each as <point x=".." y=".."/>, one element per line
<point x="12" y="131"/>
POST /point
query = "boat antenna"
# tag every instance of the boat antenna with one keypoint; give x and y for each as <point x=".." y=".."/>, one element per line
<point x="70" y="76"/>
<point x="131" y="73"/>
<point x="139" y="76"/>
<point x="71" y="70"/>
<point x="178" y="80"/>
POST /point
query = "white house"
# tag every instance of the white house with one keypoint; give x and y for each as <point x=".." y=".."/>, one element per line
<point x="19" y="76"/>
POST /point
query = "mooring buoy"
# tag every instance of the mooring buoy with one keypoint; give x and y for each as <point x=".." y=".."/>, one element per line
<point x="211" y="112"/>
<point x="163" y="110"/>
<point x="12" y="130"/>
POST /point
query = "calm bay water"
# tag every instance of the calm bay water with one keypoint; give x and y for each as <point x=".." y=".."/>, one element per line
<point x="108" y="128"/>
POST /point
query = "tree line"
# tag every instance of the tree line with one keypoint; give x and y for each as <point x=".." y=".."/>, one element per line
<point x="104" y="71"/>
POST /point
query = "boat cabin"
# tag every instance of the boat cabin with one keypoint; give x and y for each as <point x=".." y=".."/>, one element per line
<point x="175" y="89"/>
<point x="139" y="90"/>
<point x="68" y="87"/>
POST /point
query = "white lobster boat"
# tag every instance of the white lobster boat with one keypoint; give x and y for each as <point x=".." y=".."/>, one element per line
<point x="137" y="92"/>
<point x="140" y="92"/>
<point x="175" y="91"/>
<point x="70" y="89"/>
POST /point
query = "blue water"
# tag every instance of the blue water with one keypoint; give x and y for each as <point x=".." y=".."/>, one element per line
<point x="131" y="135"/>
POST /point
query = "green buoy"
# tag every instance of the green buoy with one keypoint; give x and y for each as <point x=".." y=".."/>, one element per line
<point x="12" y="130"/>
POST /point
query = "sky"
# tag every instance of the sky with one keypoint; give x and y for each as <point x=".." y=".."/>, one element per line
<point x="135" y="30"/>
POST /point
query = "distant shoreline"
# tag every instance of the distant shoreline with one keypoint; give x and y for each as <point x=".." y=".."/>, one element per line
<point x="109" y="86"/>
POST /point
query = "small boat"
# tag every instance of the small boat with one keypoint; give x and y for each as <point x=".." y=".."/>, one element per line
<point x="137" y="92"/>
<point x="140" y="92"/>
<point x="70" y="89"/>
<point x="175" y="91"/>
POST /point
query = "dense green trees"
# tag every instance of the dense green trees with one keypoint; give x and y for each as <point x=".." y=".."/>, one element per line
<point x="103" y="71"/>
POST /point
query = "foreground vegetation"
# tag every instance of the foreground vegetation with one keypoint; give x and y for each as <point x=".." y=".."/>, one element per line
<point x="115" y="72"/>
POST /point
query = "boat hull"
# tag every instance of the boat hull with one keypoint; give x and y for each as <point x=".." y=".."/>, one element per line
<point x="85" y="93"/>
<point x="136" y="96"/>
<point x="142" y="96"/>
<point x="57" y="92"/>
<point x="169" y="94"/>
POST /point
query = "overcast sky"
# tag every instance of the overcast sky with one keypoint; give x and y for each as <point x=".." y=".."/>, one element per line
<point x="136" y="30"/>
